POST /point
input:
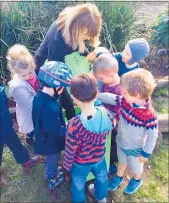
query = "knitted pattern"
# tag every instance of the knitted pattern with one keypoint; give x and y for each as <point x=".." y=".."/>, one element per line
<point x="137" y="128"/>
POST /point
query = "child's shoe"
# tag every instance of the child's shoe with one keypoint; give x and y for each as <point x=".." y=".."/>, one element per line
<point x="54" y="182"/>
<point x="115" y="183"/>
<point x="92" y="190"/>
<point x="112" y="169"/>
<point x="32" y="162"/>
<point x="133" y="186"/>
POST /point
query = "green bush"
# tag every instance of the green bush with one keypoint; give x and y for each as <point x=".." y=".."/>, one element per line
<point x="160" y="36"/>
<point x="118" y="22"/>
<point x="28" y="22"/>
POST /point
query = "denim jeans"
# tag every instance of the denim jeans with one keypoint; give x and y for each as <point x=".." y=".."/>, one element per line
<point x="79" y="177"/>
<point x="51" y="164"/>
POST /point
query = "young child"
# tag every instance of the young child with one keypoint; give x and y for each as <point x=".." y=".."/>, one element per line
<point x="9" y="138"/>
<point x="23" y="87"/>
<point x="48" y="118"/>
<point x="137" y="129"/>
<point x="135" y="50"/>
<point x="105" y="69"/>
<point x="85" y="141"/>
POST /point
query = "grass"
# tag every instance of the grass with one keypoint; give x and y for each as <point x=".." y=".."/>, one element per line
<point x="33" y="188"/>
<point x="160" y="100"/>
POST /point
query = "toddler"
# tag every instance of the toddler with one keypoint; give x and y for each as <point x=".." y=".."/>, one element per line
<point x="85" y="141"/>
<point x="105" y="69"/>
<point x="23" y="87"/>
<point x="137" y="128"/>
<point x="48" y="118"/>
<point x="135" y="51"/>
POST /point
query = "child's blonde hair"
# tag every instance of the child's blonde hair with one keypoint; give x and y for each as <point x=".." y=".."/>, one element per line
<point x="19" y="58"/>
<point x="138" y="83"/>
<point x="105" y="63"/>
<point x="73" y="20"/>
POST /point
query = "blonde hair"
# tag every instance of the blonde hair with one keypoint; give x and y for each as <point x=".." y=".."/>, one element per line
<point x="105" y="63"/>
<point x="19" y="58"/>
<point x="72" y="21"/>
<point x="138" y="83"/>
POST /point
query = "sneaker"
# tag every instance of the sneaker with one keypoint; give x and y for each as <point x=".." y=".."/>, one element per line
<point x="55" y="181"/>
<point x="115" y="183"/>
<point x="34" y="161"/>
<point x="133" y="186"/>
<point x="92" y="190"/>
<point x="112" y="169"/>
<point x="59" y="169"/>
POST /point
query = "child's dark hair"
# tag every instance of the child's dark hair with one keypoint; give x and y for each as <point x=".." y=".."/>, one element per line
<point x="84" y="87"/>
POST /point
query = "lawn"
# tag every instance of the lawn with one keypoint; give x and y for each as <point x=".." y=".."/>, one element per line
<point x="33" y="188"/>
<point x="160" y="100"/>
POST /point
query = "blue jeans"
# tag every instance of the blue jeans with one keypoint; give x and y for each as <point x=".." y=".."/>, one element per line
<point x="51" y="164"/>
<point x="79" y="177"/>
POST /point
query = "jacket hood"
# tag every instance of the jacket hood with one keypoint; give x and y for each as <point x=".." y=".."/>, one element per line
<point x="99" y="123"/>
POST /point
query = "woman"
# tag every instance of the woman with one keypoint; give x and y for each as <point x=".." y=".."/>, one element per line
<point x="66" y="35"/>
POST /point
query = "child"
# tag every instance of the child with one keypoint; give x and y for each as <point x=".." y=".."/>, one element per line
<point x="48" y="118"/>
<point x="137" y="129"/>
<point x="105" y="69"/>
<point x="135" y="50"/>
<point x="85" y="141"/>
<point x="9" y="137"/>
<point x="23" y="87"/>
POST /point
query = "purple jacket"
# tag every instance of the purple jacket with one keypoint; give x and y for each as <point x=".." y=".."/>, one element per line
<point x="115" y="90"/>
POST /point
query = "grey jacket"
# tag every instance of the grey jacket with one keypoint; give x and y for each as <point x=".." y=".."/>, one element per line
<point x="23" y="94"/>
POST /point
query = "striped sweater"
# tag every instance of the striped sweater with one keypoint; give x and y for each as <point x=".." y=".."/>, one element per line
<point x="85" y="139"/>
<point x="137" y="128"/>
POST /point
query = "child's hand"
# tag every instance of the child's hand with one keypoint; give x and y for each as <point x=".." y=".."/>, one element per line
<point x="92" y="56"/>
<point x="142" y="159"/>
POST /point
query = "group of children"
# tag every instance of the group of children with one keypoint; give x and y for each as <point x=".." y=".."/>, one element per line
<point x="116" y="97"/>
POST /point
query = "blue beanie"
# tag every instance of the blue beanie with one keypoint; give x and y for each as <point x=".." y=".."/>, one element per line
<point x="139" y="49"/>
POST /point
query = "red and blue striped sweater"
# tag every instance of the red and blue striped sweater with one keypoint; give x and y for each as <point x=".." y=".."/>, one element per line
<point x="85" y="139"/>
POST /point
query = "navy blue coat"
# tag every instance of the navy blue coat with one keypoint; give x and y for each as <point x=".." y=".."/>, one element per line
<point x="49" y="124"/>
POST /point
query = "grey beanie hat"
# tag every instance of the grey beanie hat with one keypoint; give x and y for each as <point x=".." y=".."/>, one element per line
<point x="139" y="49"/>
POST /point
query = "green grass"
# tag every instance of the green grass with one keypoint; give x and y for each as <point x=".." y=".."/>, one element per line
<point x="33" y="188"/>
<point x="160" y="100"/>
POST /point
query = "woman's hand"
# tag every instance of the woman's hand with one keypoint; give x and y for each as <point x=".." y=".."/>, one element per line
<point x="92" y="56"/>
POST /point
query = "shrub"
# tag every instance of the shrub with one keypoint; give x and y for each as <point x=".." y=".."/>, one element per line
<point x="160" y="36"/>
<point x="118" y="22"/>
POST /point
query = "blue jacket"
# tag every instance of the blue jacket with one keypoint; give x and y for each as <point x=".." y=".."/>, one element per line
<point x="53" y="47"/>
<point x="49" y="124"/>
<point x="5" y="116"/>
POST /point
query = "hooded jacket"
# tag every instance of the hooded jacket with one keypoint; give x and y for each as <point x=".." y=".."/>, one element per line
<point x="86" y="139"/>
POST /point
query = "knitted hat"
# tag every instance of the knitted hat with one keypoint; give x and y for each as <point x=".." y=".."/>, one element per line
<point x="139" y="49"/>
<point x="55" y="74"/>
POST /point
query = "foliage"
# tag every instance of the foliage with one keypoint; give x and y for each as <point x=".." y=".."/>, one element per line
<point x="26" y="23"/>
<point x="160" y="36"/>
<point x="118" y="22"/>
